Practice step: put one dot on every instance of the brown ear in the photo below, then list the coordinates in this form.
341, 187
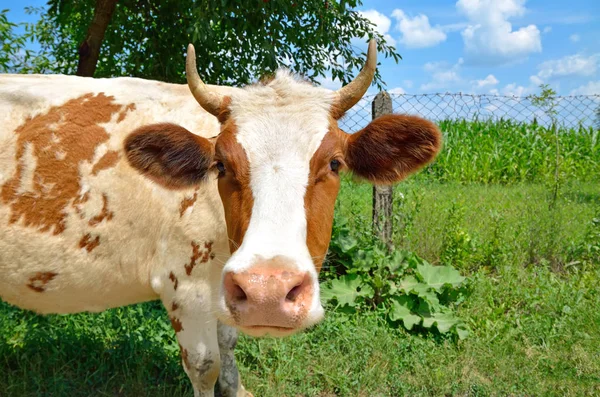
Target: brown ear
391, 147
169, 155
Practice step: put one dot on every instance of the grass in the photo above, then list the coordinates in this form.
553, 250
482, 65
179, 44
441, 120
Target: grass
534, 333
485, 207
515, 219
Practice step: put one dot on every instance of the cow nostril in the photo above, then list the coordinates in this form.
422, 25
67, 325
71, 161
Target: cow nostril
299, 289
294, 292
238, 294
235, 292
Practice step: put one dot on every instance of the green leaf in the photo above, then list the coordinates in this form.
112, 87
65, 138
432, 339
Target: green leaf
443, 321
346, 289
437, 277
411, 285
400, 310
408, 283
462, 331
397, 261
346, 242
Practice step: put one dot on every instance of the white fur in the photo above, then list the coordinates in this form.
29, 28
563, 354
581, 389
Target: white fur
280, 126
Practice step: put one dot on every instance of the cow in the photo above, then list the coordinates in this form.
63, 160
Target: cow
119, 191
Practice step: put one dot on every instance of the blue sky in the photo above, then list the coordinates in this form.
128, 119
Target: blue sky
491, 46
478, 46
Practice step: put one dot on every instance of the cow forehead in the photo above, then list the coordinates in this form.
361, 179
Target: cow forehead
283, 121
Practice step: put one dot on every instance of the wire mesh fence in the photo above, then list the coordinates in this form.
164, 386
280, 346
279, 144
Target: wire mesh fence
571, 111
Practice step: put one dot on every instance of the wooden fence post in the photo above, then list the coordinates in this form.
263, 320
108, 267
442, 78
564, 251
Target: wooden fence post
382, 195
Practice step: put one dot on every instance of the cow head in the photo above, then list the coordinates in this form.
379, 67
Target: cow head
277, 159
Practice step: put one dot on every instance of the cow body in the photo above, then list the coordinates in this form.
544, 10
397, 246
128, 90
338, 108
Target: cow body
81, 230
119, 191
71, 202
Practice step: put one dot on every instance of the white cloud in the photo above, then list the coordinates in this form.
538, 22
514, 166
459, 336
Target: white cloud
514, 89
490, 80
397, 91
591, 88
570, 65
443, 75
416, 31
547, 29
490, 38
382, 24
574, 38
536, 80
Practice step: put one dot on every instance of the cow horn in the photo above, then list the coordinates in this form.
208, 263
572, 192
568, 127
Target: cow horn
351, 93
209, 100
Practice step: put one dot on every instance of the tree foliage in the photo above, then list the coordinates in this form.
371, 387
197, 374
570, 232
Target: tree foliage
236, 41
15, 56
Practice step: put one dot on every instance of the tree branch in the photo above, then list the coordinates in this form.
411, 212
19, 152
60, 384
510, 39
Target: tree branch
89, 49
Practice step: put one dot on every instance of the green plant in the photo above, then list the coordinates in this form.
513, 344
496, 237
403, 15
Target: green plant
458, 247
546, 100
588, 250
403, 287
492, 251
404, 213
508, 152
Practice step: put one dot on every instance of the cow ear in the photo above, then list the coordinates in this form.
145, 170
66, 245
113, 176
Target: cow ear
391, 147
169, 155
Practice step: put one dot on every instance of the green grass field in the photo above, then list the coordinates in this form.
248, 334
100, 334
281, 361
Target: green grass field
533, 268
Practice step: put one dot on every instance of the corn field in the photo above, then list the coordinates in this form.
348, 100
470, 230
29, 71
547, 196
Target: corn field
495, 139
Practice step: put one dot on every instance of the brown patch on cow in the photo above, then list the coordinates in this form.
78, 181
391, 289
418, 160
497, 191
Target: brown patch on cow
88, 242
174, 306
104, 214
207, 252
185, 357
79, 201
75, 133
234, 185
321, 193
176, 324
195, 256
174, 280
187, 203
391, 147
38, 281
123, 112
199, 255
224, 111
109, 160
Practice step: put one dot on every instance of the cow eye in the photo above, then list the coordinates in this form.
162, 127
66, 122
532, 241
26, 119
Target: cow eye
334, 165
221, 168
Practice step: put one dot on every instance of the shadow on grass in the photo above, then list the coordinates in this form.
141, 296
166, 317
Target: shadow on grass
122, 352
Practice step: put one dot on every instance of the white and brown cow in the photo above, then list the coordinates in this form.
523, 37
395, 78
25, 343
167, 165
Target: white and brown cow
117, 191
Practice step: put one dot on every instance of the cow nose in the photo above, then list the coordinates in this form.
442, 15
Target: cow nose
267, 296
